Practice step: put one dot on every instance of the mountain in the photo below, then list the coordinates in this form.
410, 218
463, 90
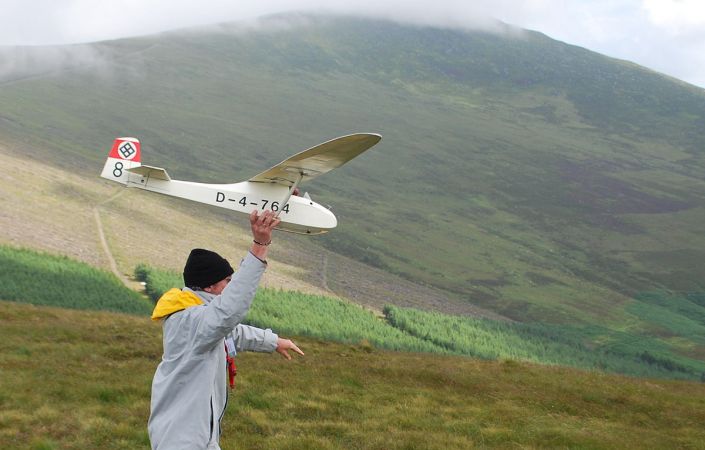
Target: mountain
536, 179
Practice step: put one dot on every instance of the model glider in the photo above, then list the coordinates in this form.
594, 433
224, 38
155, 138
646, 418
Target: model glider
271, 189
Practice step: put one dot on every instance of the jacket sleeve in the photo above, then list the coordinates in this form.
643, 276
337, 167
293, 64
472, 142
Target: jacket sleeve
253, 339
227, 310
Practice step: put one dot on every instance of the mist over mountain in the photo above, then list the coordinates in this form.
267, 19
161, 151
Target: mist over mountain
534, 178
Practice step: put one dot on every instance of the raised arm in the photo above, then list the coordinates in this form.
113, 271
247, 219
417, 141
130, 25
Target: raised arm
230, 307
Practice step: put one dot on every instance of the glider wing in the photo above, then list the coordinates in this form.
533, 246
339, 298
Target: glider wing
317, 160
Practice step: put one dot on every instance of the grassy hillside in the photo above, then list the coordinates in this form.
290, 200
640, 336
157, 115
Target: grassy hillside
592, 347
533, 178
45, 279
88, 387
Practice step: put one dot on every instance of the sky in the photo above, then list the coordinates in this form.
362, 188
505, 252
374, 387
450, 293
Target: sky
664, 35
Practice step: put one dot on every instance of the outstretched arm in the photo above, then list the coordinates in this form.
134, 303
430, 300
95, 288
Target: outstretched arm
253, 339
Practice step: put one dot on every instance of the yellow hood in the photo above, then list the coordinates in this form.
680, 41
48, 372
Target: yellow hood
174, 300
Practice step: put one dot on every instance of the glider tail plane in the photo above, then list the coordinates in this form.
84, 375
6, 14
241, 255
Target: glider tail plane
124, 155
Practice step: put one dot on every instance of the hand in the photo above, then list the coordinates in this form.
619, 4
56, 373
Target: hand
262, 226
283, 345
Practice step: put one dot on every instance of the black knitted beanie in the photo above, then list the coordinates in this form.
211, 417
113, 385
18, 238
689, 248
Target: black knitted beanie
205, 268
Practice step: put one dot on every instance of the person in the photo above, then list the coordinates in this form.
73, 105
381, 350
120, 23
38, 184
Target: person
201, 329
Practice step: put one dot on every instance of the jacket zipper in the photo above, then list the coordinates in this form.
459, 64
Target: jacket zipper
227, 396
210, 438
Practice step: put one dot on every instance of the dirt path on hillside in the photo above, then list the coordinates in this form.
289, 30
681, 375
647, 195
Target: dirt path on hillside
106, 248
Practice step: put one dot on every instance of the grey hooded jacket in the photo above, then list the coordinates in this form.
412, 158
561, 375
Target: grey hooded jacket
189, 389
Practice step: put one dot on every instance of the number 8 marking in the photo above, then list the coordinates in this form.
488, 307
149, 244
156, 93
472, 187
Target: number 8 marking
117, 171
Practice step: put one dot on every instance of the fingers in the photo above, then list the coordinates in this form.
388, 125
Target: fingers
283, 347
266, 219
296, 349
269, 219
262, 225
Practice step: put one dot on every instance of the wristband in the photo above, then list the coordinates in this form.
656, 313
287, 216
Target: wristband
259, 243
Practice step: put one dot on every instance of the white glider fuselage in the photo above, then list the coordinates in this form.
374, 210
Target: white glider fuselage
266, 191
298, 215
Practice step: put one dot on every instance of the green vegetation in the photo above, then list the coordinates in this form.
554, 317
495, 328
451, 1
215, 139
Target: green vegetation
90, 388
676, 315
330, 319
43, 279
157, 282
295, 313
589, 347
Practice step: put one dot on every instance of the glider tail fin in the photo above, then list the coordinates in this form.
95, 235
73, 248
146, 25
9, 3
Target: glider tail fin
125, 154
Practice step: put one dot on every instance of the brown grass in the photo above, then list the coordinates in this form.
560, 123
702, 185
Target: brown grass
82, 379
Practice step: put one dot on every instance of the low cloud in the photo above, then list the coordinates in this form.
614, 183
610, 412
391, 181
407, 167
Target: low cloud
23, 62
666, 35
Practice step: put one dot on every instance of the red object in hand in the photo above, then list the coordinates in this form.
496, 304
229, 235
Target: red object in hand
232, 371
232, 368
